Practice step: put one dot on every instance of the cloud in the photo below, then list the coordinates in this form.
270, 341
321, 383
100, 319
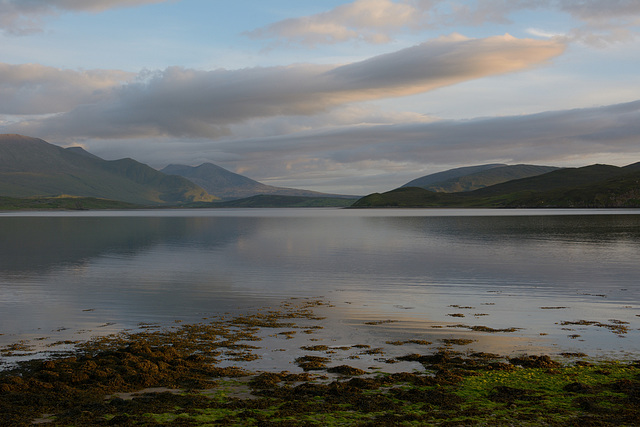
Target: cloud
35, 89
556, 137
347, 115
605, 23
598, 11
189, 103
542, 33
83, 5
376, 21
369, 158
22, 17
367, 20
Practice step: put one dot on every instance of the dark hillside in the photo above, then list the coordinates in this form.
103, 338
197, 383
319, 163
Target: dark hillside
596, 186
475, 177
406, 197
449, 175
561, 178
32, 167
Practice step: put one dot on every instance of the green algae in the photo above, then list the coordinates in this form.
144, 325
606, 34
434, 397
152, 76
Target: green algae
451, 388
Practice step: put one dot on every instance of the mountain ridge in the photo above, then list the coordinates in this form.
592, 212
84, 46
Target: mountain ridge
450, 174
590, 186
33, 167
472, 178
231, 186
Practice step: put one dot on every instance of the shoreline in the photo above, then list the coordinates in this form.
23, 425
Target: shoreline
203, 374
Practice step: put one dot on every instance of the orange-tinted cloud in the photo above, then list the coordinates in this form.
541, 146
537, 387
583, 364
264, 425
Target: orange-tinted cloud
377, 21
190, 103
368, 20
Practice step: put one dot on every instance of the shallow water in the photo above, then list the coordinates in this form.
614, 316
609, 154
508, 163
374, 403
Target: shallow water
65, 275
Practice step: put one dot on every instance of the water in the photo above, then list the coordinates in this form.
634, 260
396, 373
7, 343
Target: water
70, 274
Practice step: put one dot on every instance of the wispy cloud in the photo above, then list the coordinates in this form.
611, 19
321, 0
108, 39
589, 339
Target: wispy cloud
541, 136
191, 103
377, 21
22, 17
369, 20
536, 32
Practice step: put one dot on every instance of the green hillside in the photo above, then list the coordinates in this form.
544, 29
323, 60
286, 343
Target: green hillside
407, 197
619, 192
475, 177
596, 186
32, 167
561, 178
449, 175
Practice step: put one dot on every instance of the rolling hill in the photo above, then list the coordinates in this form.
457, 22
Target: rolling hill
449, 175
475, 177
595, 186
230, 186
73, 178
32, 167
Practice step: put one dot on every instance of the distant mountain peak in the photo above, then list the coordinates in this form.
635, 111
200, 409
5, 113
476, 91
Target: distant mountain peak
82, 152
8, 137
230, 185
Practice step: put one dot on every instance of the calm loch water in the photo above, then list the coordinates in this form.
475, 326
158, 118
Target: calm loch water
85, 273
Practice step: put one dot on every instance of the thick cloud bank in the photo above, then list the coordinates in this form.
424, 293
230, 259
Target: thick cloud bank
35, 89
190, 103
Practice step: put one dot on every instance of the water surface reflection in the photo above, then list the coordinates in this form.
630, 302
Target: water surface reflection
80, 272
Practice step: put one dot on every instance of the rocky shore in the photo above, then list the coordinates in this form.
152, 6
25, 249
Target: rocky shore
202, 374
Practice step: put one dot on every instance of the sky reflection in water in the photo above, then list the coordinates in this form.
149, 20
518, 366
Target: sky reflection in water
112, 271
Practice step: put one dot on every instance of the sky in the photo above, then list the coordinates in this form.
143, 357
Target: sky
349, 97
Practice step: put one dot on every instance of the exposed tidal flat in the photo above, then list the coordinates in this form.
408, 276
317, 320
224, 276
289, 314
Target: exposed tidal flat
321, 316
204, 374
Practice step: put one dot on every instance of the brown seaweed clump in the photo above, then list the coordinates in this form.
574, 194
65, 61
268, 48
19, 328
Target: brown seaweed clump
346, 370
312, 363
181, 358
535, 362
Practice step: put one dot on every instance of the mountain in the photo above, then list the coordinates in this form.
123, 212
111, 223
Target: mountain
81, 151
561, 178
595, 186
230, 186
475, 177
449, 175
33, 167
